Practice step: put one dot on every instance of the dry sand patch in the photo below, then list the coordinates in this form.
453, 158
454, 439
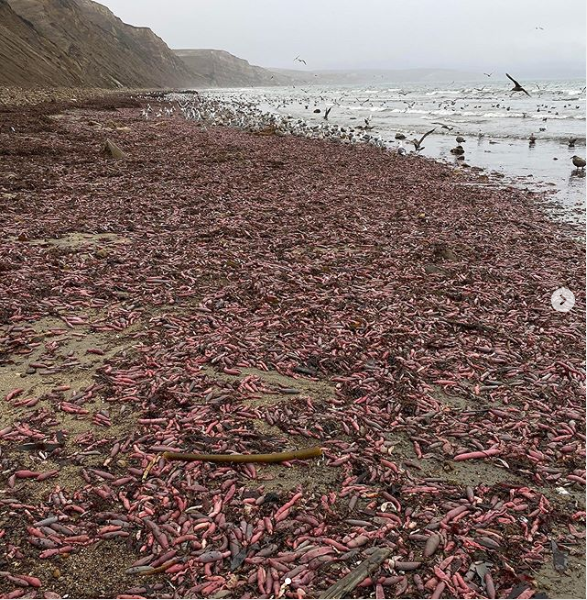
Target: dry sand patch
318, 390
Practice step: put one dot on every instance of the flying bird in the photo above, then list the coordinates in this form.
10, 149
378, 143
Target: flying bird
418, 143
517, 87
449, 127
488, 74
367, 126
327, 112
301, 60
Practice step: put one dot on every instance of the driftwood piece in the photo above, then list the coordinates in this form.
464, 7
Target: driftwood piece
304, 454
112, 150
343, 588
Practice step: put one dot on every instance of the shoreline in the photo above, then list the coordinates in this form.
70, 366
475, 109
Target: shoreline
416, 302
539, 168
553, 199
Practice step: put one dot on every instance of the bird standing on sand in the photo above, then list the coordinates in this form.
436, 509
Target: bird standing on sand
401, 150
579, 162
532, 140
418, 143
517, 87
460, 139
572, 142
459, 150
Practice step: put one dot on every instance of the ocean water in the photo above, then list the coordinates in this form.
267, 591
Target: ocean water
495, 123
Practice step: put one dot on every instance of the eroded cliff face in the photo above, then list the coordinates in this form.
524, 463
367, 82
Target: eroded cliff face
27, 56
141, 50
82, 43
222, 69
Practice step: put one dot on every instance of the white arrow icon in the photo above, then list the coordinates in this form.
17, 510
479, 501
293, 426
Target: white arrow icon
562, 300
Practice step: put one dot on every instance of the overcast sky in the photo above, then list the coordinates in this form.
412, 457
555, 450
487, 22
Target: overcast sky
478, 35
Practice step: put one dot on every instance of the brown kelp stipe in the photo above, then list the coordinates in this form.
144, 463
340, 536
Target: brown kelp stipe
247, 458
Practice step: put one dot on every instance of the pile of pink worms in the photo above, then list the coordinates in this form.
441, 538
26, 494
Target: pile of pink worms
418, 295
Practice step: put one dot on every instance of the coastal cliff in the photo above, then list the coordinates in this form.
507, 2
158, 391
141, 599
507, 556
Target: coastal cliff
82, 43
222, 69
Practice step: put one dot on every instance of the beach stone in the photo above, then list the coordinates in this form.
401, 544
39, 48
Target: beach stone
112, 150
441, 250
430, 268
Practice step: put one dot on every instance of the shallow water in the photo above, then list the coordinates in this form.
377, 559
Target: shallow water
495, 123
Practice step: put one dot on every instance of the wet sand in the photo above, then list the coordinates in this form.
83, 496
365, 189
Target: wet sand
554, 115
169, 301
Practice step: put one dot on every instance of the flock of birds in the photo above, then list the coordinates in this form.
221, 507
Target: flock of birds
148, 112
244, 113
459, 150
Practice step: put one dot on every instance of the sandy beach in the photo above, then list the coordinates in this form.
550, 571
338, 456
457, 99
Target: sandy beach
220, 291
